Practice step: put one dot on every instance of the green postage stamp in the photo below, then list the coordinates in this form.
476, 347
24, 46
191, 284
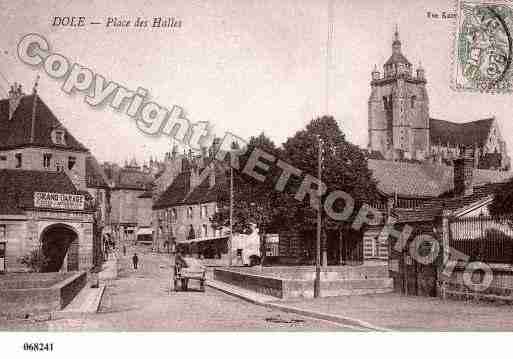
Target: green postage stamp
483, 47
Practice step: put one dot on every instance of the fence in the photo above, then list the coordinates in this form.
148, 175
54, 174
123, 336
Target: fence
483, 238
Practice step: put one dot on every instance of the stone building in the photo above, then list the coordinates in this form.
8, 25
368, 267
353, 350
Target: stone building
127, 184
400, 127
43, 187
182, 212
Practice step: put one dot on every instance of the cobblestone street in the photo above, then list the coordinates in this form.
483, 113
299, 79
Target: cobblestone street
140, 301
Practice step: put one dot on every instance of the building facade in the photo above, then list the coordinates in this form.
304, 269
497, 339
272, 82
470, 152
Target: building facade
45, 205
127, 209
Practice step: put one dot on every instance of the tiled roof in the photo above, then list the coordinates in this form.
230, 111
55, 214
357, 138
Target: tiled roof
146, 194
430, 210
16, 132
179, 192
175, 193
95, 177
17, 188
468, 133
204, 193
421, 180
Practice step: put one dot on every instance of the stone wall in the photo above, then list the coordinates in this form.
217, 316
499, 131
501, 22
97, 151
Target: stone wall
286, 284
37, 293
501, 287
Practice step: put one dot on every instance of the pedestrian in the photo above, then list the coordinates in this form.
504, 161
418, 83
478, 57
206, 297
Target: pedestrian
124, 250
135, 260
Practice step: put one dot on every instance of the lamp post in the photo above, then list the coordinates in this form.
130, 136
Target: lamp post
317, 282
231, 219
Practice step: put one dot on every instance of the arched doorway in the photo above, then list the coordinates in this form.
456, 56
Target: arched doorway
60, 242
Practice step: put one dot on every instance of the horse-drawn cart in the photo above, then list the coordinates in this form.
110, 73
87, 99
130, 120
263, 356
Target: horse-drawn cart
189, 269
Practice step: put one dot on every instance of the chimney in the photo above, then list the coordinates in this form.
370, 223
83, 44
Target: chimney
15, 94
463, 173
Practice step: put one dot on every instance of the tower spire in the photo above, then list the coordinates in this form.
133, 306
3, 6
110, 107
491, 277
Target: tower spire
396, 45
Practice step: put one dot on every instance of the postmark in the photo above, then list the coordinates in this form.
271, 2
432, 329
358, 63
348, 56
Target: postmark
483, 47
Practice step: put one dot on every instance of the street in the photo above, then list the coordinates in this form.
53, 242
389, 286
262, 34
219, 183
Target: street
140, 301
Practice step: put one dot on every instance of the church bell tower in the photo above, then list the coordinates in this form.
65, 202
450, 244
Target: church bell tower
399, 108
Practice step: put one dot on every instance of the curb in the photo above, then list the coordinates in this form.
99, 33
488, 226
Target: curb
92, 308
347, 321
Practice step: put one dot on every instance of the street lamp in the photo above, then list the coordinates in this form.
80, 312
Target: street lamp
231, 219
317, 281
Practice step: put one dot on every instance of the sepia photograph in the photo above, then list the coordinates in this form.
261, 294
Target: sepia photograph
297, 167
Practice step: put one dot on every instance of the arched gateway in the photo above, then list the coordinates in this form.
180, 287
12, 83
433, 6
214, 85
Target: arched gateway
59, 243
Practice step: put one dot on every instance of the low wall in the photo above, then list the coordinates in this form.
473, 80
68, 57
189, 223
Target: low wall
501, 287
36, 293
299, 282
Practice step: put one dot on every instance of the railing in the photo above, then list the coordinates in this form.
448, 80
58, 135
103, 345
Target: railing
483, 238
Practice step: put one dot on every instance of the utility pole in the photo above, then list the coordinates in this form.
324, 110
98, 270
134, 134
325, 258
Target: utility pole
317, 282
231, 219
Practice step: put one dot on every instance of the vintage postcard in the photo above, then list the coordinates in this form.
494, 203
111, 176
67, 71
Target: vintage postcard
334, 166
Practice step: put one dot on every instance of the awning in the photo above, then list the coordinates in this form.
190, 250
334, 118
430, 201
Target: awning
201, 239
143, 231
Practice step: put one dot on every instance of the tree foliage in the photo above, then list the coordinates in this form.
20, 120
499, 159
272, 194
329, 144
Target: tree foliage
253, 199
344, 168
502, 203
35, 260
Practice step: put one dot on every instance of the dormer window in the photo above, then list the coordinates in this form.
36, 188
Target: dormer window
59, 137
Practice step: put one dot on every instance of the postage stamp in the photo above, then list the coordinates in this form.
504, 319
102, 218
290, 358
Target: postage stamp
483, 47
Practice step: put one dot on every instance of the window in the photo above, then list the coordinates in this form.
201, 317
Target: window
204, 211
47, 158
19, 161
71, 162
59, 166
189, 212
59, 137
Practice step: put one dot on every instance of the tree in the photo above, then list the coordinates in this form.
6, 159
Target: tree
344, 168
253, 199
502, 203
35, 260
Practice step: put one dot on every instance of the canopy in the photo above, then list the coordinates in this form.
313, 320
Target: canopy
143, 231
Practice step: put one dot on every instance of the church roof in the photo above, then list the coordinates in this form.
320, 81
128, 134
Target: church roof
467, 134
16, 132
397, 58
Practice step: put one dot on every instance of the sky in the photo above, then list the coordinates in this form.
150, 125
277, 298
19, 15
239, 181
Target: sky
245, 66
